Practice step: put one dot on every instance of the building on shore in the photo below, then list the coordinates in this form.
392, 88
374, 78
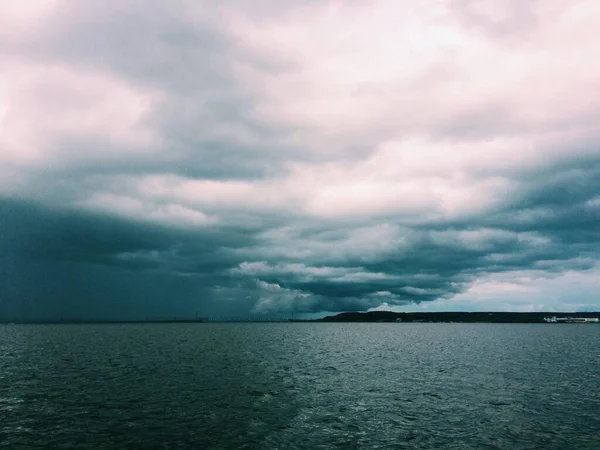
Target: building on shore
555, 319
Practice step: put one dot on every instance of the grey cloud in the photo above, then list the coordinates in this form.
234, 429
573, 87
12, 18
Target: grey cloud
515, 18
204, 106
566, 238
158, 47
63, 260
436, 260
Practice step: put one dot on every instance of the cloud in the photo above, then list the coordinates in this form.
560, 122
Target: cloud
296, 156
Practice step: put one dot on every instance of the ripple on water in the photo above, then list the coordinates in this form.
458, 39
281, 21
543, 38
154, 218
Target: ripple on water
300, 386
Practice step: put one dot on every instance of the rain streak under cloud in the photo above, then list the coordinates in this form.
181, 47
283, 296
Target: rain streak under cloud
166, 159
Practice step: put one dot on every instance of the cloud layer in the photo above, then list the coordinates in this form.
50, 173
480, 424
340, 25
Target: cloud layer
275, 157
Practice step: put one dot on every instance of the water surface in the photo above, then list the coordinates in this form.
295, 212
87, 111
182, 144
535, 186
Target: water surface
300, 385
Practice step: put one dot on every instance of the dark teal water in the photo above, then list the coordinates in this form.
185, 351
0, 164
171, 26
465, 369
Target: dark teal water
300, 385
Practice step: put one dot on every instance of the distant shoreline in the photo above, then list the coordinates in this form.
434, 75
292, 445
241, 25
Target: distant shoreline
369, 317
454, 317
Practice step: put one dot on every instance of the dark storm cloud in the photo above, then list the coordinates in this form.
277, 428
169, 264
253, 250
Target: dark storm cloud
562, 205
35, 232
31, 230
552, 226
64, 263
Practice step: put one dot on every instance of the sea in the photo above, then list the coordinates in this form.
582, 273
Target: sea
300, 386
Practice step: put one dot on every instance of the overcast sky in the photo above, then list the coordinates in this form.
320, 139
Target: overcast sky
174, 158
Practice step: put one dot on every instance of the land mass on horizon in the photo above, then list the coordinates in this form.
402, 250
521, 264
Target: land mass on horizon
448, 317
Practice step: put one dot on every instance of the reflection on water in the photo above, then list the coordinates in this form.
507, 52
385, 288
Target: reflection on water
300, 385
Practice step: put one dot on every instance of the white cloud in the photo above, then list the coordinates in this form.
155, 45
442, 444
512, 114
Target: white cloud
56, 115
166, 214
527, 291
275, 299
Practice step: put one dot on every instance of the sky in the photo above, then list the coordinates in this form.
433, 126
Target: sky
284, 157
